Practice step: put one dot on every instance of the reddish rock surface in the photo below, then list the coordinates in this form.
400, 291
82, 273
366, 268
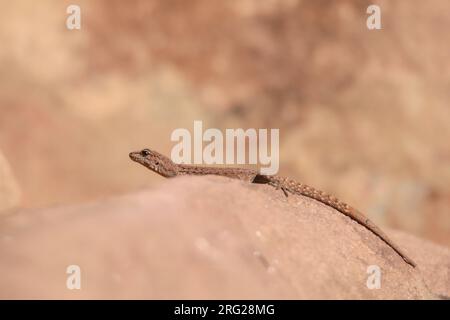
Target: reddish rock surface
9, 189
209, 237
363, 114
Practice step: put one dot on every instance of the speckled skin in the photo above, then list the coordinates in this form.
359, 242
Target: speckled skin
165, 167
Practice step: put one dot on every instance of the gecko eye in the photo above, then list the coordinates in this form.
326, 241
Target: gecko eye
145, 152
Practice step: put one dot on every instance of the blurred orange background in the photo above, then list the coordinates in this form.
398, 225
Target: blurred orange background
363, 114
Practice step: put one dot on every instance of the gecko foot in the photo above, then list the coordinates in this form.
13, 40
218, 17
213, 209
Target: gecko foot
278, 187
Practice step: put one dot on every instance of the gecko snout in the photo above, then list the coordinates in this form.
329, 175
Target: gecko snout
135, 155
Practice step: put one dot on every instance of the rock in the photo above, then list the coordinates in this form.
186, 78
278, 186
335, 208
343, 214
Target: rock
209, 238
9, 189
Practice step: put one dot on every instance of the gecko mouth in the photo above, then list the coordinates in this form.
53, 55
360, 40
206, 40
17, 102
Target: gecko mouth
135, 156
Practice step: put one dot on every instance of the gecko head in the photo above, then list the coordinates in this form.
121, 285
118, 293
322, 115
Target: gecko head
155, 162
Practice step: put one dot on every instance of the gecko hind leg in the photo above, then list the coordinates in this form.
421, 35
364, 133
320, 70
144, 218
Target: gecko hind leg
278, 187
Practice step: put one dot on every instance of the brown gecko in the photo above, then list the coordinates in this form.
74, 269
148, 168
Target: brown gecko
167, 168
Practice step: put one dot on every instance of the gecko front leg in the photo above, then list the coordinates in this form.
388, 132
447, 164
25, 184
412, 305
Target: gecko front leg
271, 181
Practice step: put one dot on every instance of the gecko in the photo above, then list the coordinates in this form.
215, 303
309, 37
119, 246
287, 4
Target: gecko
165, 167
